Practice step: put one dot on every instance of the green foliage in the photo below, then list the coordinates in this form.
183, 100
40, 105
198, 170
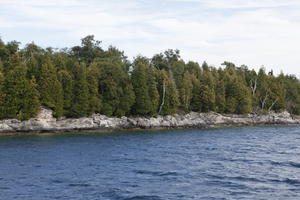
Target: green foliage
93, 75
19, 97
127, 99
168, 101
186, 91
204, 93
67, 82
87, 79
80, 104
220, 96
153, 91
142, 99
88, 51
204, 99
50, 88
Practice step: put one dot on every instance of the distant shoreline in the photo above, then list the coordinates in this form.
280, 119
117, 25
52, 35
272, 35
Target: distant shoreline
45, 123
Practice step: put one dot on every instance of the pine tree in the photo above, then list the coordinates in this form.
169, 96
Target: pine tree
204, 93
93, 75
67, 82
110, 97
186, 91
142, 104
220, 97
20, 97
50, 88
127, 99
196, 102
79, 107
153, 92
243, 97
168, 95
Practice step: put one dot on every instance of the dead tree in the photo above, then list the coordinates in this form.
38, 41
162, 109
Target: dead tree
263, 101
273, 103
253, 86
163, 98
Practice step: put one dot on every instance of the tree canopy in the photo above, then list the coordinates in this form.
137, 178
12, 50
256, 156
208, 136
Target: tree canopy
86, 79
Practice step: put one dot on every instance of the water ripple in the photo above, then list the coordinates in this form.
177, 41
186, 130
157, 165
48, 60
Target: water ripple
229, 163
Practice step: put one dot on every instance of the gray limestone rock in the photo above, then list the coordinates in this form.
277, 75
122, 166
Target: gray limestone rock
46, 122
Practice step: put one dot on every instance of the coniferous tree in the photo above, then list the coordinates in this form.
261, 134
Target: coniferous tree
220, 97
111, 85
186, 91
243, 98
153, 91
204, 93
67, 82
20, 98
142, 104
168, 95
127, 99
79, 107
50, 88
93, 75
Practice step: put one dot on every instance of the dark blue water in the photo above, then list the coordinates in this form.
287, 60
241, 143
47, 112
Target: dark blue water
229, 163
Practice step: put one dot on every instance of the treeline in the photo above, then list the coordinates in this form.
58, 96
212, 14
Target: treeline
87, 79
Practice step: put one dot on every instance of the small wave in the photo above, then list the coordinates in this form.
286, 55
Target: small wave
295, 182
297, 165
143, 197
79, 185
236, 178
292, 164
156, 173
292, 181
56, 181
113, 193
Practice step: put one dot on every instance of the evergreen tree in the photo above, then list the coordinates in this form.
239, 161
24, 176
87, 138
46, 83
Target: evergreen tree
168, 95
19, 96
220, 97
86, 79
50, 88
127, 99
67, 82
80, 104
204, 94
186, 91
243, 98
109, 93
93, 75
142, 104
194, 68
153, 91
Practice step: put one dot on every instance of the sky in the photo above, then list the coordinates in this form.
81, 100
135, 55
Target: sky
252, 32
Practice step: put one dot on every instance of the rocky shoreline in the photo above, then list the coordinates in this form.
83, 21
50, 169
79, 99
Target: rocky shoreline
45, 122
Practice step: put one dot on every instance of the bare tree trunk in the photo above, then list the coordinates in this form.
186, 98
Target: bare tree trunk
274, 102
163, 98
253, 86
263, 101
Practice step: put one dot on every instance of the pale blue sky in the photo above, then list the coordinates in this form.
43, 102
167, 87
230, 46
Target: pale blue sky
251, 32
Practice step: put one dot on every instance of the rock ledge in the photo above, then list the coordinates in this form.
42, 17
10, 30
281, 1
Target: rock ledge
45, 122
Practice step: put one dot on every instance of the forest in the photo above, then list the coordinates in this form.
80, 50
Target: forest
83, 80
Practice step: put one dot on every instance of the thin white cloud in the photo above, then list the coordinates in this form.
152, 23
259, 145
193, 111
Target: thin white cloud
255, 33
245, 3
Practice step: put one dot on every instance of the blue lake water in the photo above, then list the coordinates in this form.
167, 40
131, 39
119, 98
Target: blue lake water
225, 163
